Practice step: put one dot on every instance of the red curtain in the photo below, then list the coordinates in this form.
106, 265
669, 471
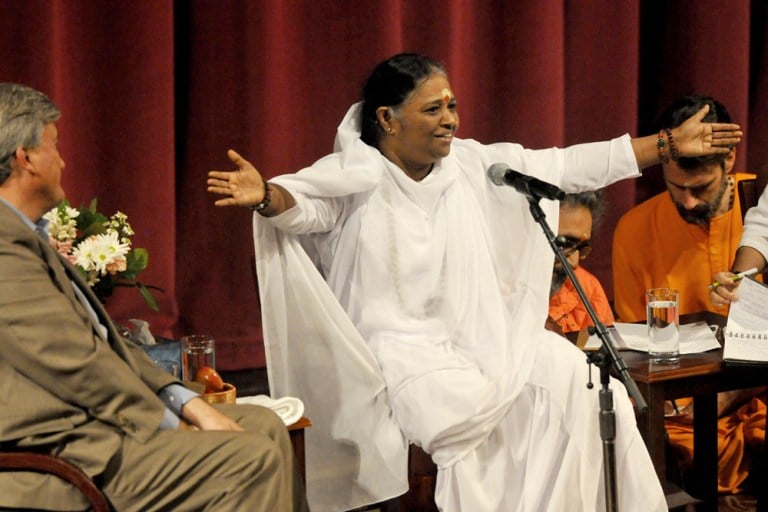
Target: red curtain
154, 93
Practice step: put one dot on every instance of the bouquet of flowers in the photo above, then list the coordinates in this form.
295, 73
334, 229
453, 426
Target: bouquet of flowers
99, 248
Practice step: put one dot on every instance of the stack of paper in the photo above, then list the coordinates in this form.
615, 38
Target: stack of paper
694, 338
746, 333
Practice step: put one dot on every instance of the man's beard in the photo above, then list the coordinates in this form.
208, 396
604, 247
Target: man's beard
558, 279
701, 214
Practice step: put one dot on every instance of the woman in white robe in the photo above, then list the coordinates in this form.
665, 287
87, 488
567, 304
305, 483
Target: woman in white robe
425, 323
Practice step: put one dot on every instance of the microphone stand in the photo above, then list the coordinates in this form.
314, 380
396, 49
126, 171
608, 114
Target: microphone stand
604, 358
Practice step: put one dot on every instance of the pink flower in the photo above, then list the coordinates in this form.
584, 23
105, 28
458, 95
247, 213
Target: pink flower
118, 265
63, 248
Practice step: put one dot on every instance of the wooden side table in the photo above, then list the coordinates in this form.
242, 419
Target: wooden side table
296, 431
700, 376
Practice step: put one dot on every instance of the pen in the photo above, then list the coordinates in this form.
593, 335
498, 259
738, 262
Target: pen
750, 272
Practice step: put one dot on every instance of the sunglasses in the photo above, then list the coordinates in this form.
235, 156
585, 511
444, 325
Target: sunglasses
570, 245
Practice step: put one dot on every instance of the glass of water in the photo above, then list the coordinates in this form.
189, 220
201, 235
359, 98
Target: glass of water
663, 325
197, 350
171, 367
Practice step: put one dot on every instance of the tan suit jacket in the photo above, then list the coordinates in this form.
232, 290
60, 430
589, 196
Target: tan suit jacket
64, 389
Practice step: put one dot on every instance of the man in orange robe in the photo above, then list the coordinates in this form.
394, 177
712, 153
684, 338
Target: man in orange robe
680, 239
567, 313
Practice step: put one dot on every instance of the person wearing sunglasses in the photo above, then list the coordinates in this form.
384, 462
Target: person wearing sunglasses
567, 314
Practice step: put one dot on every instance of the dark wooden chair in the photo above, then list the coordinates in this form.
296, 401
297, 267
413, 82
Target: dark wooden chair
422, 478
44, 463
748, 194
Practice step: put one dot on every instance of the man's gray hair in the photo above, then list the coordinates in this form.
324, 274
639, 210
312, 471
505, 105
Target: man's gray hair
23, 114
591, 200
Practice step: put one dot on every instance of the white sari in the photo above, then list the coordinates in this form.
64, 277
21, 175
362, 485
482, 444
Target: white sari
426, 325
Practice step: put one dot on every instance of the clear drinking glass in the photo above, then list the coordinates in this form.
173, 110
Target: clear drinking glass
663, 325
171, 367
197, 350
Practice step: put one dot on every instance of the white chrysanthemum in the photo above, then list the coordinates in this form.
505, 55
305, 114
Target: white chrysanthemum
83, 253
62, 224
99, 251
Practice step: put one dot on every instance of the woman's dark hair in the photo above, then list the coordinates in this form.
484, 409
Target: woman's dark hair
685, 107
389, 84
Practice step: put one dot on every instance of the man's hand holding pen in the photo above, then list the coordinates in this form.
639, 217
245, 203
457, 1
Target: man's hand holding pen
723, 287
732, 277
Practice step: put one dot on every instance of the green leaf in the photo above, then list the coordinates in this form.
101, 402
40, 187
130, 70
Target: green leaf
141, 256
135, 261
90, 223
148, 297
82, 272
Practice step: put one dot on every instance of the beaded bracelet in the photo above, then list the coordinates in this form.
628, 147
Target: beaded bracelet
672, 147
662, 148
267, 198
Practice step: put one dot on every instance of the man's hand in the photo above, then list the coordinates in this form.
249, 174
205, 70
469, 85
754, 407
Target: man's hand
725, 293
183, 425
200, 414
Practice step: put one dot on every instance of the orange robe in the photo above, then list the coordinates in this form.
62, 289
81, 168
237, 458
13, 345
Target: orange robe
653, 247
566, 309
737, 431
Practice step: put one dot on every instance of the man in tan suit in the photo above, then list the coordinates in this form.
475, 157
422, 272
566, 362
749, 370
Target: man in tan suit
71, 386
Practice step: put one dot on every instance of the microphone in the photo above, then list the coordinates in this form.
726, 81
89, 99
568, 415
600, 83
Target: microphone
501, 174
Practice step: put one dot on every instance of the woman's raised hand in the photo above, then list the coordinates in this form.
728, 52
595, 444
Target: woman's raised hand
694, 138
241, 187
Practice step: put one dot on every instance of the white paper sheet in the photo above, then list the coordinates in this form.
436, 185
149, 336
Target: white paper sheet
694, 338
746, 333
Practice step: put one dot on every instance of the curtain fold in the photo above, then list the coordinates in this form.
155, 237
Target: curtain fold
154, 92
